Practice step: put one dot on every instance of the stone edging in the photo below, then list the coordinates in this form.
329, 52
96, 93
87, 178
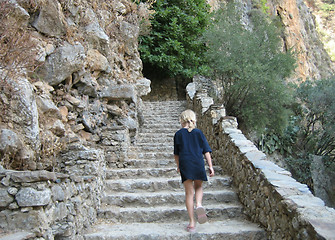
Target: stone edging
271, 197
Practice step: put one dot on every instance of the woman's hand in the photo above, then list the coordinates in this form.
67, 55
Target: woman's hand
211, 171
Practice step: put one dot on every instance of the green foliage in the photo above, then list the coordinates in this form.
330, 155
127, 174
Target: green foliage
174, 46
314, 132
248, 61
261, 4
265, 8
300, 168
328, 7
270, 142
318, 136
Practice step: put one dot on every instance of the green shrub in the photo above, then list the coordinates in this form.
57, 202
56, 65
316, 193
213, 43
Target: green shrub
328, 7
174, 46
284, 143
252, 69
315, 133
300, 168
318, 133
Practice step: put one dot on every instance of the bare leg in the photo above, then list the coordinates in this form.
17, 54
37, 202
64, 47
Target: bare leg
199, 193
201, 213
189, 200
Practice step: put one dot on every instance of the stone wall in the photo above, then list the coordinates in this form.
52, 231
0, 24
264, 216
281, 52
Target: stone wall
271, 197
50, 205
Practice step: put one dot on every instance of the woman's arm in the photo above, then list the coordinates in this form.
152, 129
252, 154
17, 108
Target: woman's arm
176, 159
209, 161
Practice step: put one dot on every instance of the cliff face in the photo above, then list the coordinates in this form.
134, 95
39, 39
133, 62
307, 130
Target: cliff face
76, 71
301, 35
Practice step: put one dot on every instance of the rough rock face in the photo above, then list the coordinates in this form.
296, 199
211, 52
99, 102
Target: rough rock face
87, 78
300, 34
67, 117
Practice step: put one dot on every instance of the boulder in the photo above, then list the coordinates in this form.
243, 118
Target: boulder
47, 106
119, 92
32, 176
50, 21
129, 33
9, 142
88, 85
95, 34
23, 114
28, 220
143, 86
61, 64
5, 198
96, 61
29, 197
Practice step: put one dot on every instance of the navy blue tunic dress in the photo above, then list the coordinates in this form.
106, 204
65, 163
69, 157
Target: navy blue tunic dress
190, 146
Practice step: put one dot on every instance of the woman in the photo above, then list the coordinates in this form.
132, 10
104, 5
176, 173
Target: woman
190, 144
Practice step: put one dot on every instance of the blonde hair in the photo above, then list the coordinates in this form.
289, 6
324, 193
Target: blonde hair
188, 116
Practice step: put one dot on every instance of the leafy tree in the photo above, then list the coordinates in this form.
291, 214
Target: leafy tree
174, 46
312, 131
318, 128
246, 58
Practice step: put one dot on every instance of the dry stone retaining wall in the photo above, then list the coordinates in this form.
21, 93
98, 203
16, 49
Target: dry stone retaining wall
49, 205
285, 207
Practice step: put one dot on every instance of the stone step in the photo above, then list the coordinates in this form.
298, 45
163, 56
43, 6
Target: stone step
212, 230
218, 211
155, 137
160, 184
153, 151
166, 197
165, 111
153, 163
147, 172
175, 110
161, 122
155, 134
172, 107
167, 119
144, 147
158, 124
161, 107
141, 173
150, 155
157, 131
153, 140
17, 236
158, 147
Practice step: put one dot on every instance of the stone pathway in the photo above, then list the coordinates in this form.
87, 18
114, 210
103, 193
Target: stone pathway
146, 200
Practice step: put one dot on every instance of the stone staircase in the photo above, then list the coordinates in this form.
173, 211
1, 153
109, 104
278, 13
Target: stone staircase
146, 199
